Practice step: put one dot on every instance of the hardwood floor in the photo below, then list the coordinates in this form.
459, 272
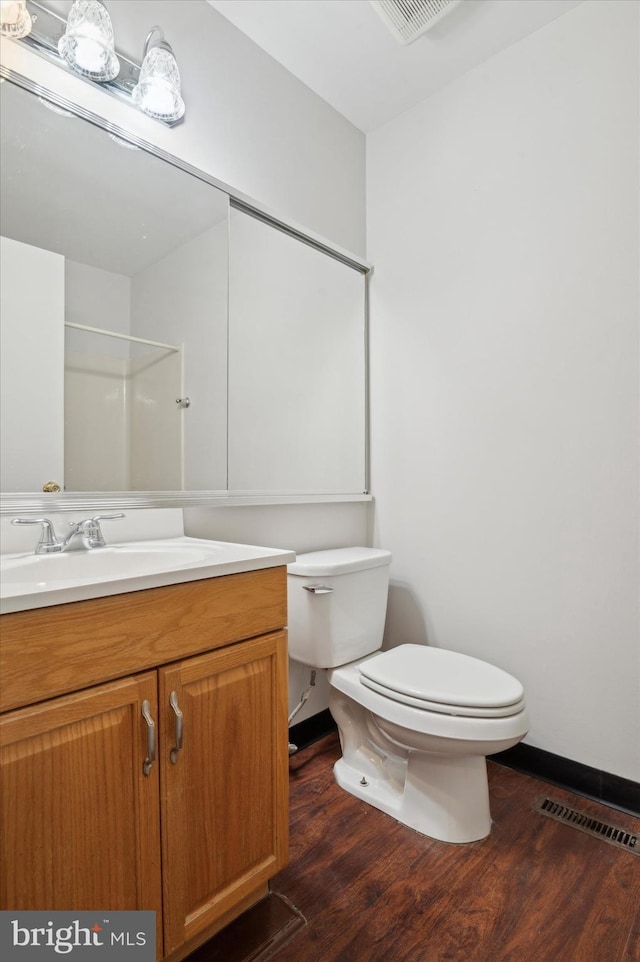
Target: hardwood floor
375, 891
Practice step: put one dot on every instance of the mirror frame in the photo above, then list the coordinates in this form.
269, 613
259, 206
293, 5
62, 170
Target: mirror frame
34, 502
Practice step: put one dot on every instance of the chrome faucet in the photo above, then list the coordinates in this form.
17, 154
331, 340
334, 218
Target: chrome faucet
88, 530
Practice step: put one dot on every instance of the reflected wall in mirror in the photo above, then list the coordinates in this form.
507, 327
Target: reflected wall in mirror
114, 309
297, 356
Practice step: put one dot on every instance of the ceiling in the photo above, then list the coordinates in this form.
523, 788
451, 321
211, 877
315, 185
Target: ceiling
68, 187
342, 50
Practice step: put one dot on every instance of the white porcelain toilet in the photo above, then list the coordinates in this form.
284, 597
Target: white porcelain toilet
416, 723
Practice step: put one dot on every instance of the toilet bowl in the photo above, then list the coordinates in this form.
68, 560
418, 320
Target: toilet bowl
415, 723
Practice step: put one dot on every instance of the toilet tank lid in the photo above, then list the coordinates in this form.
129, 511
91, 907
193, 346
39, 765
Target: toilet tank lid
338, 561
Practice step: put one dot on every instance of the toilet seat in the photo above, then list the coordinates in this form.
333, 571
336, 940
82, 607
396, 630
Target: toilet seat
448, 682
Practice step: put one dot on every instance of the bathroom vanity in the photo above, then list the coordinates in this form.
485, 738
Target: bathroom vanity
144, 748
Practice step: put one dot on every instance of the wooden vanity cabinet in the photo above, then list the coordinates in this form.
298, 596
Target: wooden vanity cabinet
196, 834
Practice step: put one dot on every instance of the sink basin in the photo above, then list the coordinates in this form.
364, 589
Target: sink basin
30, 580
116, 561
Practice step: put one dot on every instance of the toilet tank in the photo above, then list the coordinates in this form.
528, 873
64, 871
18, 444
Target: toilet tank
337, 605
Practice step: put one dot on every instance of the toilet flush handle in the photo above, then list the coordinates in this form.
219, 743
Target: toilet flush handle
318, 589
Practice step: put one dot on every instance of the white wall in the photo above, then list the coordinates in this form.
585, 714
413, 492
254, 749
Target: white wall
503, 225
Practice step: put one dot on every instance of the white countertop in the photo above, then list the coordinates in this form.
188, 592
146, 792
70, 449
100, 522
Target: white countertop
36, 581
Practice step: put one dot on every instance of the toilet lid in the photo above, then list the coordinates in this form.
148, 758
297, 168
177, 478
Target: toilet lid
444, 681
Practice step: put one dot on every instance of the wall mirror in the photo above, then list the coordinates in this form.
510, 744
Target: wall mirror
140, 353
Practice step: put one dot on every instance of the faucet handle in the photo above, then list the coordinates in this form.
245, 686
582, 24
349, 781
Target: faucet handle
48, 541
91, 529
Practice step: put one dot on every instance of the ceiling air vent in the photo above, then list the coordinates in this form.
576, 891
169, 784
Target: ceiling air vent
408, 19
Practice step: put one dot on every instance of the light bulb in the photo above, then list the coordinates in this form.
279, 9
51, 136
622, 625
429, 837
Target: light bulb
89, 55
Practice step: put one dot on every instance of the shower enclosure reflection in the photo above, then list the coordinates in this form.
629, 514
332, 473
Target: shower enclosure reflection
122, 426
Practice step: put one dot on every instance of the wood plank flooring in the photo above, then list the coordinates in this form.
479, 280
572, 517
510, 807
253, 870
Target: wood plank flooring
375, 891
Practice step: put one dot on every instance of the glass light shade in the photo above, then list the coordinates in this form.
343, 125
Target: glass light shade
87, 45
15, 19
157, 92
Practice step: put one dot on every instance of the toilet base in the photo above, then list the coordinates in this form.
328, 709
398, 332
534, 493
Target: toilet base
444, 797
433, 785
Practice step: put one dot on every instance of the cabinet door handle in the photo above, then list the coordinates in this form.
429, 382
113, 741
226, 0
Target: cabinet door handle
173, 701
151, 738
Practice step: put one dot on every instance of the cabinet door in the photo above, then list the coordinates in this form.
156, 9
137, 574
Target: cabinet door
224, 796
80, 820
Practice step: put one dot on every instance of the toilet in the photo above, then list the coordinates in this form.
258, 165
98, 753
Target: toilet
415, 722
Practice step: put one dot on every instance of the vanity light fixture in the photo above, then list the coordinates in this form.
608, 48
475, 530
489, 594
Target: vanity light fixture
157, 93
87, 44
15, 19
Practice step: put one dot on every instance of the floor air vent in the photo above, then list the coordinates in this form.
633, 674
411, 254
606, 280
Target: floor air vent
408, 19
619, 837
